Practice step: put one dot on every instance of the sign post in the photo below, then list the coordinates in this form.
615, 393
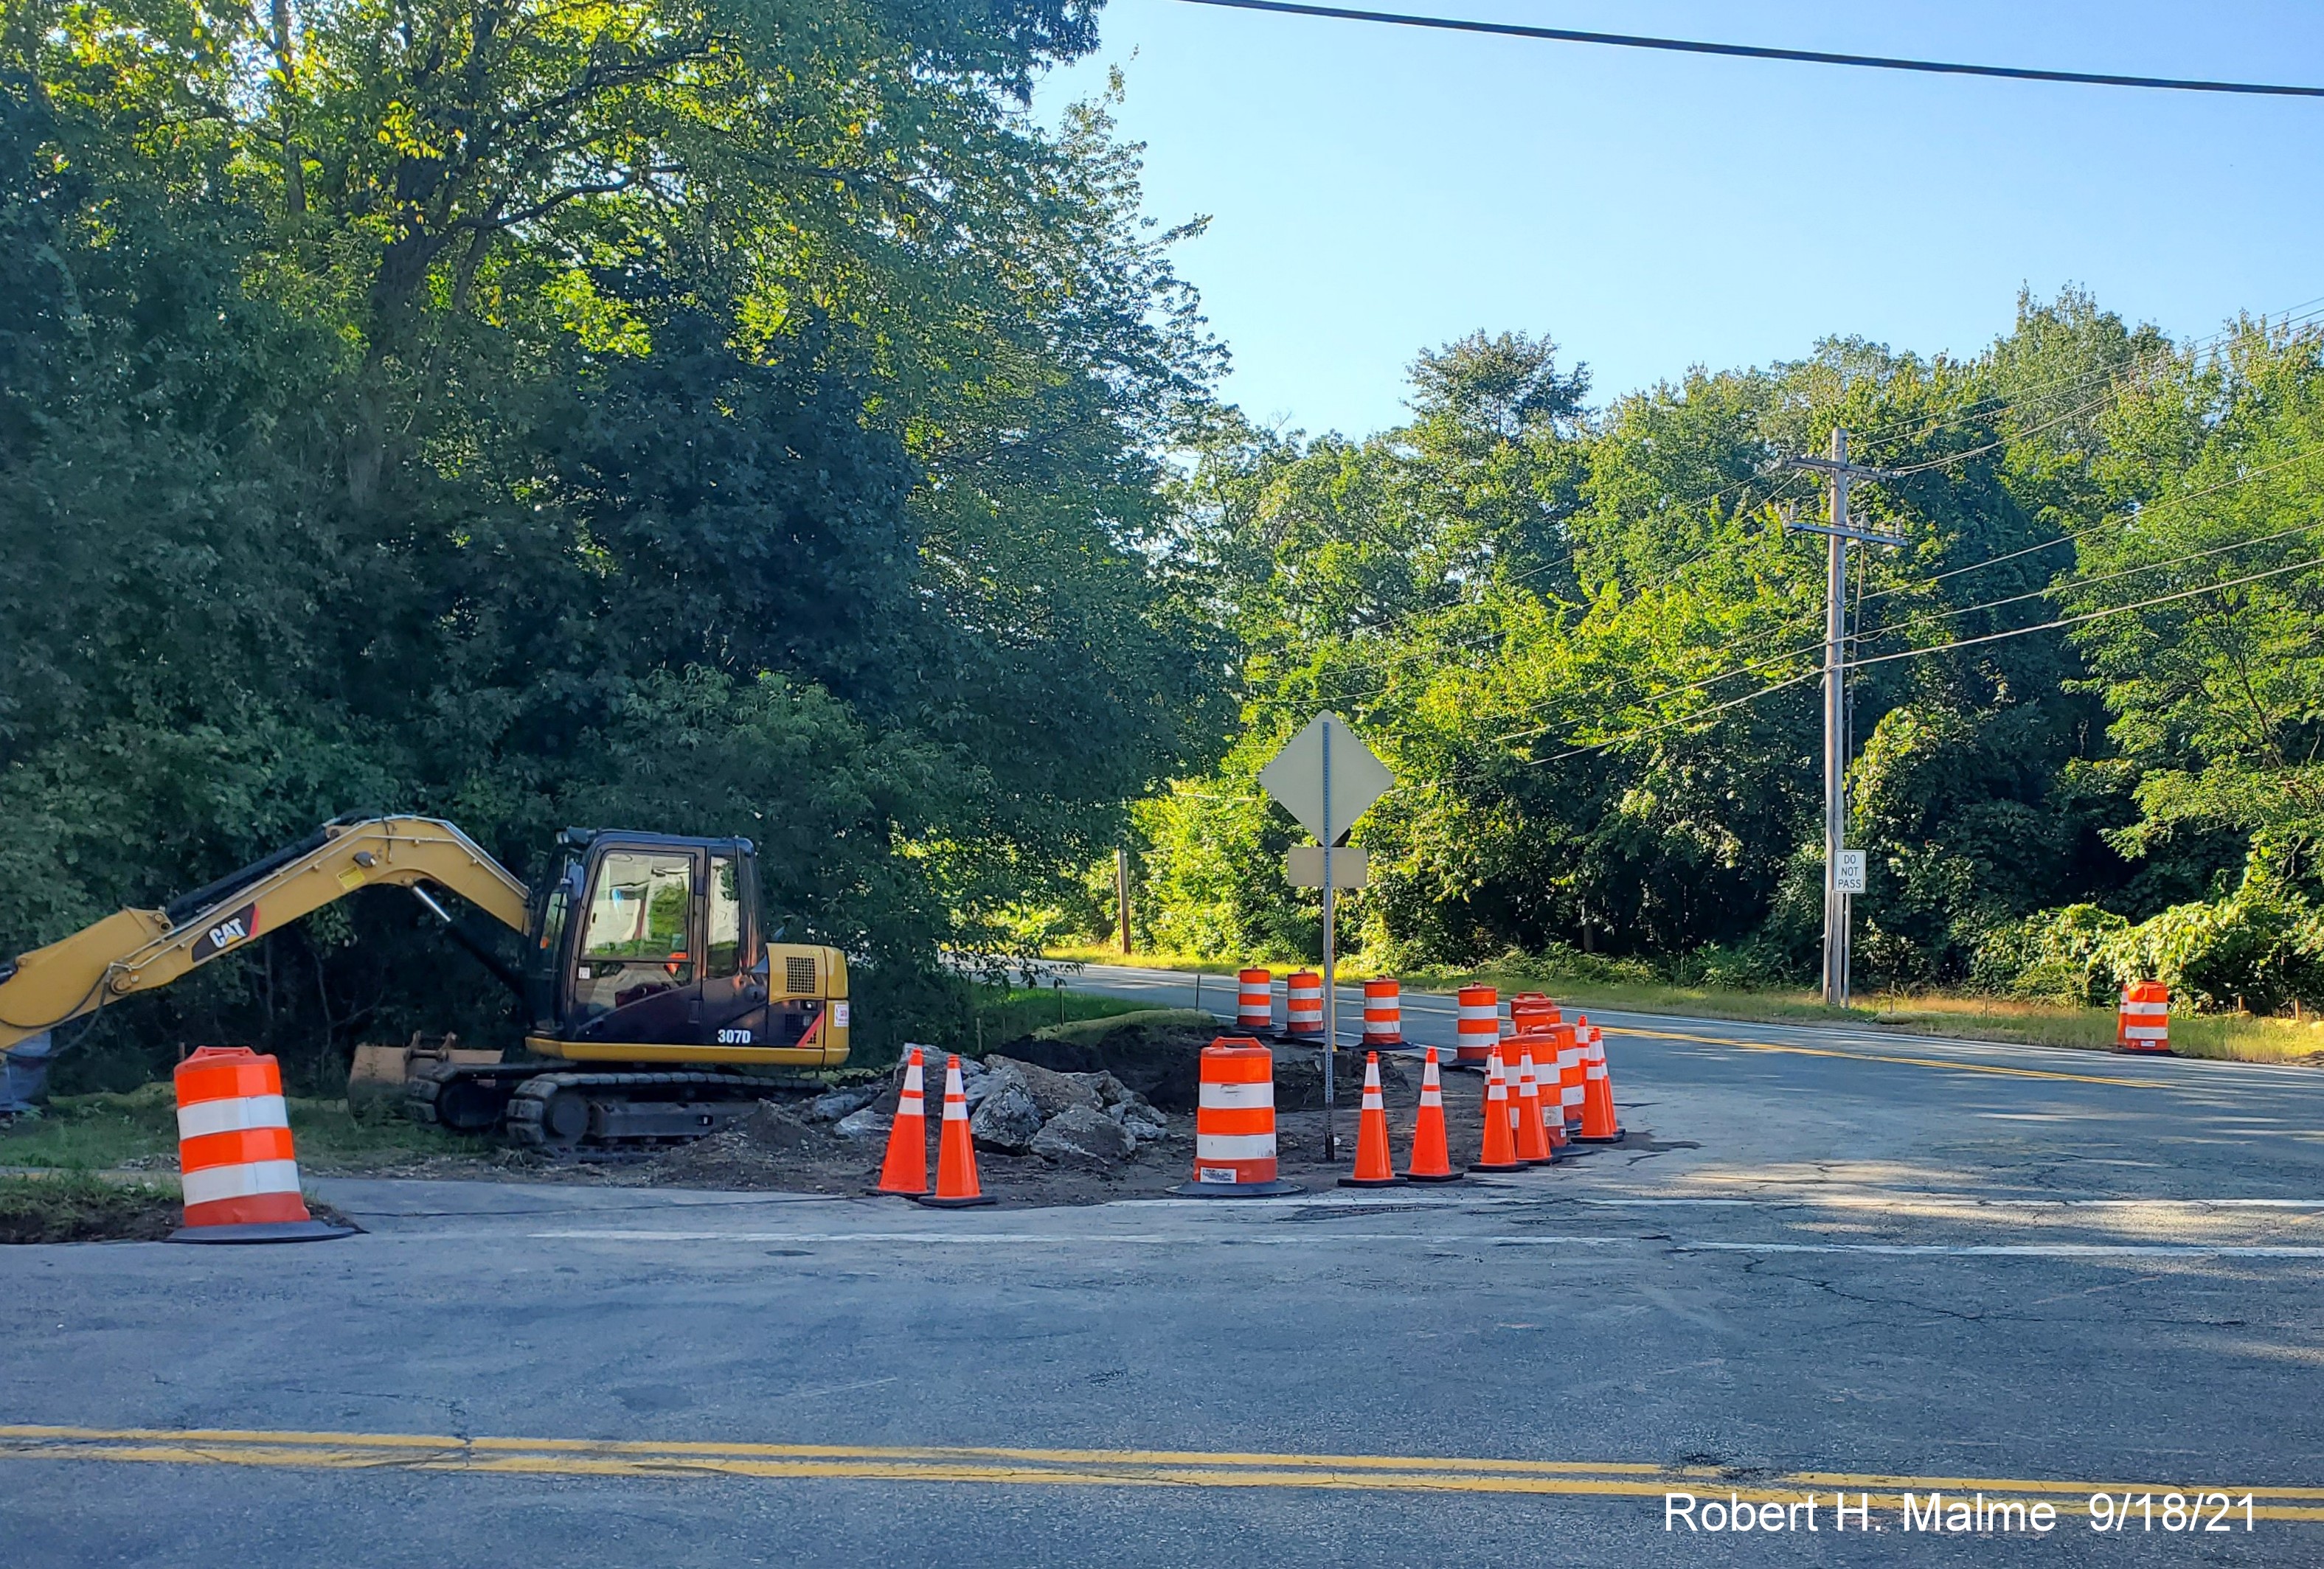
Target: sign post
1326, 778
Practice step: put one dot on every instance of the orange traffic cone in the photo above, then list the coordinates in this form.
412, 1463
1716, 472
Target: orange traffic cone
1372, 1168
956, 1186
1599, 1125
1501, 1152
1431, 1160
906, 1169
1531, 1144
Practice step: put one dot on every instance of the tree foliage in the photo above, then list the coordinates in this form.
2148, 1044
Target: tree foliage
1586, 644
727, 415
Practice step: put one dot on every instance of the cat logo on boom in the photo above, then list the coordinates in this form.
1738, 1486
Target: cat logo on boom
238, 927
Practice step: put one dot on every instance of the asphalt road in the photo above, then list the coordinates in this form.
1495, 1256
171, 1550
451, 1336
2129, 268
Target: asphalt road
1826, 1260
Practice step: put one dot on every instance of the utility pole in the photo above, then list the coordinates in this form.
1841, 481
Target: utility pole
1330, 967
1841, 474
1122, 894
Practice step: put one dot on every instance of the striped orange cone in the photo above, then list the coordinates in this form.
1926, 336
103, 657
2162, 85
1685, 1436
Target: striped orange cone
1599, 1123
904, 1173
235, 1162
1500, 1153
1431, 1160
1531, 1144
956, 1184
1372, 1167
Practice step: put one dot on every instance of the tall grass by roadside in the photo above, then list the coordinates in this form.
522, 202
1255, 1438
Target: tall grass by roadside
138, 1129
1007, 1013
2229, 1037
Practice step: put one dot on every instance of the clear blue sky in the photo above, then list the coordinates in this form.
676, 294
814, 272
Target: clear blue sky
1376, 189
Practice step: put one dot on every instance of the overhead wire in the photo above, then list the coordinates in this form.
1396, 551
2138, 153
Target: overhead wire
2302, 312
1990, 408
2092, 615
1860, 636
1672, 723
2110, 522
2066, 586
1758, 51
1748, 697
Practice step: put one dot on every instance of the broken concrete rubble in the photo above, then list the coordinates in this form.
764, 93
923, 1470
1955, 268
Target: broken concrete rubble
1007, 1116
840, 1103
1082, 1136
1051, 1091
865, 1123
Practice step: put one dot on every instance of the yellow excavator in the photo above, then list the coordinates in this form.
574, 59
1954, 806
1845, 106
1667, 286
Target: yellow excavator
658, 1010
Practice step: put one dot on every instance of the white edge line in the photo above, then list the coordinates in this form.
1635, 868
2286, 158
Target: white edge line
1893, 1250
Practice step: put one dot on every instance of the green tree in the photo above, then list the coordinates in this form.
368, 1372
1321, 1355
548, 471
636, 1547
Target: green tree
516, 412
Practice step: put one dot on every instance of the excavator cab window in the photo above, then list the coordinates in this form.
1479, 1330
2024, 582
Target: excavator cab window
554, 901
637, 939
722, 955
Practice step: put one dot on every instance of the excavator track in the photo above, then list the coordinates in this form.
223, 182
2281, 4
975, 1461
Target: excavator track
611, 1114
465, 1097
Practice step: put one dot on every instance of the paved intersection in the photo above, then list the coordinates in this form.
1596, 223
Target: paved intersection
1831, 1260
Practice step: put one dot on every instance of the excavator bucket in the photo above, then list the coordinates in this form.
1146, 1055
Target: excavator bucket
377, 1076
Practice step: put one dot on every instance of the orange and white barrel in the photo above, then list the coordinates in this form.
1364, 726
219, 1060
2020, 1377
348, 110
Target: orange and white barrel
2143, 1022
1477, 1030
1383, 1012
237, 1169
1255, 1001
1531, 1011
1303, 1006
1572, 1073
1234, 1122
1542, 1041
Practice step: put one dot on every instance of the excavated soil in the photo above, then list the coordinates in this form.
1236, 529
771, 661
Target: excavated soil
777, 1149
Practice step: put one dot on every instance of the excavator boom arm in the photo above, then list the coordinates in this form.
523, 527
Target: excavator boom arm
134, 951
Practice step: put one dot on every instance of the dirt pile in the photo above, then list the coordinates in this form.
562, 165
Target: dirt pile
1299, 1078
1082, 1125
1161, 1062
772, 1148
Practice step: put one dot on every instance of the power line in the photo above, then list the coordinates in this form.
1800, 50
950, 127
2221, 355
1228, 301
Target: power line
1702, 713
1378, 685
1645, 730
2092, 615
2057, 588
1672, 691
1878, 632
1756, 51
2098, 528
1379, 680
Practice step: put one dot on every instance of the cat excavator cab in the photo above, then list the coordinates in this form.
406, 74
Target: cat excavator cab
657, 1009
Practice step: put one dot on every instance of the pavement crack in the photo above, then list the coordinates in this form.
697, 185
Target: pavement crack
1833, 1289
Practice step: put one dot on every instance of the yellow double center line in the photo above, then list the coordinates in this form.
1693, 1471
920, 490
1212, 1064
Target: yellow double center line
1060, 1467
